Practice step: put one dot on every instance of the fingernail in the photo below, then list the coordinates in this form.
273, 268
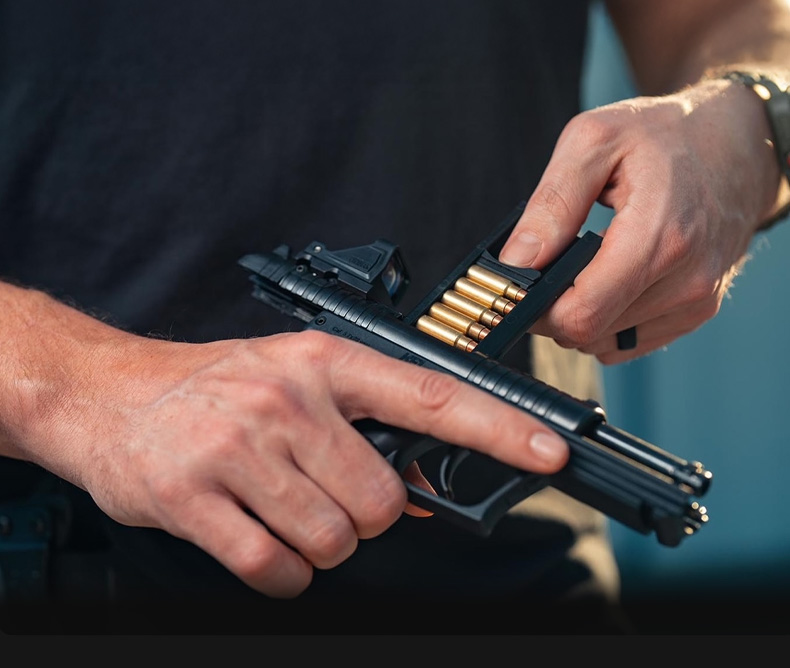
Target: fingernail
521, 249
549, 447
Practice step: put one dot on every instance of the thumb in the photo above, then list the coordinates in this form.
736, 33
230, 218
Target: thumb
558, 207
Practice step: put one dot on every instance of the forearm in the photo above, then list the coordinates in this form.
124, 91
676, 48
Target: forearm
671, 44
49, 356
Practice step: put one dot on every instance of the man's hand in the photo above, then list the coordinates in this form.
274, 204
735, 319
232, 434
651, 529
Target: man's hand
243, 447
690, 177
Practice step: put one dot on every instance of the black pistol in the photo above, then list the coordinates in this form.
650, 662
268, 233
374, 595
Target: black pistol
462, 327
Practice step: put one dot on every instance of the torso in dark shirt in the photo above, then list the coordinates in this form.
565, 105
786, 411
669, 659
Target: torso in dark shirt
148, 145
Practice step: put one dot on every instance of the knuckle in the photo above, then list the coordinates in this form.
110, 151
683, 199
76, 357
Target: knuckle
678, 240
568, 344
330, 541
436, 390
607, 359
592, 128
708, 308
552, 197
254, 557
700, 290
223, 437
581, 326
170, 491
276, 395
383, 504
319, 347
684, 233
323, 351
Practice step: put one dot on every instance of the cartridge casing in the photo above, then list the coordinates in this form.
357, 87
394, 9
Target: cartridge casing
484, 296
459, 321
471, 308
445, 333
496, 283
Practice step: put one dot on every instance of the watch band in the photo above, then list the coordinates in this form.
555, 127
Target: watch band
777, 107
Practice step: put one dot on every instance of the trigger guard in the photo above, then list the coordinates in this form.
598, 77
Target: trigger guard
402, 448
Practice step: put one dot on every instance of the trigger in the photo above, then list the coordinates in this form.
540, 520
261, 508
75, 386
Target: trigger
450, 463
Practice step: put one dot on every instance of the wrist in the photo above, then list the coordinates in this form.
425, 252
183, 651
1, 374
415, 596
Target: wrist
771, 92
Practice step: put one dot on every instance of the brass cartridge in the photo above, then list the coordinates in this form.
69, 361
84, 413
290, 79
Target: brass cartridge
459, 321
439, 330
496, 283
484, 296
471, 308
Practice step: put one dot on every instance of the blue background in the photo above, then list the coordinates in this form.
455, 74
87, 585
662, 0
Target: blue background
718, 395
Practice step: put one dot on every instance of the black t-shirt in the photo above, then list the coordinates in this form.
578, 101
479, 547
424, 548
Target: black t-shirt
148, 145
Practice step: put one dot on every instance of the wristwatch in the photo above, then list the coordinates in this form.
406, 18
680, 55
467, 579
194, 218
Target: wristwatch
777, 108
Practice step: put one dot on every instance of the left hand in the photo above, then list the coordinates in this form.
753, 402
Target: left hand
690, 178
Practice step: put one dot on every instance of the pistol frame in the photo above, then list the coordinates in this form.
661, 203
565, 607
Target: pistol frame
353, 293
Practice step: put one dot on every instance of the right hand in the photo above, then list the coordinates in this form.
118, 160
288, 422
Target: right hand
245, 447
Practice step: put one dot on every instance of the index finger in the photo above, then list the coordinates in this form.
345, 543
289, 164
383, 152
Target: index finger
370, 384
573, 180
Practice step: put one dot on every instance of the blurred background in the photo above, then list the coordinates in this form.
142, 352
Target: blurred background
719, 395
